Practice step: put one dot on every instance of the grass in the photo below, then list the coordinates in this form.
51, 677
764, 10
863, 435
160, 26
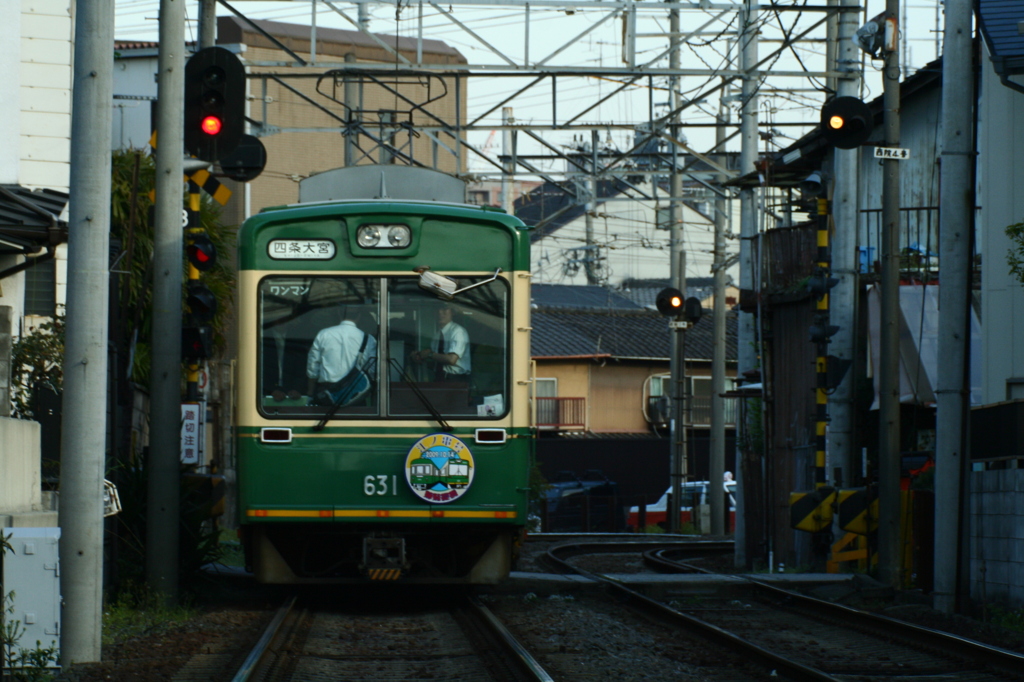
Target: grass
139, 611
1009, 619
231, 549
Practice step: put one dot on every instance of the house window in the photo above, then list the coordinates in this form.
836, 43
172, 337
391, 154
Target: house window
547, 410
41, 288
699, 390
479, 197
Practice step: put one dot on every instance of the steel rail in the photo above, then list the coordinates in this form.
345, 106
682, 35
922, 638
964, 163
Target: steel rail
255, 657
977, 652
527, 664
780, 665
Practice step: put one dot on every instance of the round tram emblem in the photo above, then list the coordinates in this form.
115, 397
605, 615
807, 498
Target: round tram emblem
439, 468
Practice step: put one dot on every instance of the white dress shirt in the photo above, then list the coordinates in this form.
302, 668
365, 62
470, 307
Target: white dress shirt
456, 340
334, 352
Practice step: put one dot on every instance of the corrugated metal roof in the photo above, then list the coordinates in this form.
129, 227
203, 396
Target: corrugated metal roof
27, 216
1000, 23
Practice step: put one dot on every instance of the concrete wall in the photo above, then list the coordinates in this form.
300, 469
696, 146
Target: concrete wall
21, 497
997, 537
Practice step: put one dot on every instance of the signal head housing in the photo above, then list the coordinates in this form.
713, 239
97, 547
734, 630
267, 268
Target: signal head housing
214, 103
846, 122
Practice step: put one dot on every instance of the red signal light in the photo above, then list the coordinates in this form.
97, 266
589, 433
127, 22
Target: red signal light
199, 255
211, 125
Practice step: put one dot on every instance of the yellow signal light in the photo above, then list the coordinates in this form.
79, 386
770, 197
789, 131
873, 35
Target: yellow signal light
836, 122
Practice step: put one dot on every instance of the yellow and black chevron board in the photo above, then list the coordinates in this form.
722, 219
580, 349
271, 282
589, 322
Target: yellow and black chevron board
811, 510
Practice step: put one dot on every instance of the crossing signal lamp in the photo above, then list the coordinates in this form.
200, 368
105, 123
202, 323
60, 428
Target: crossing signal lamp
201, 303
846, 122
214, 103
822, 332
196, 342
202, 254
820, 283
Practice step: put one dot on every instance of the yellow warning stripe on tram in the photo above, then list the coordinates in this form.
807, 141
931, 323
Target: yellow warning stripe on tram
379, 513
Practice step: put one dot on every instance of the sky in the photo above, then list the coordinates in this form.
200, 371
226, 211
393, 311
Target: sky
783, 100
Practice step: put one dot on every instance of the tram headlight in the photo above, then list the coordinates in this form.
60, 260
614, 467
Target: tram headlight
384, 236
399, 236
368, 236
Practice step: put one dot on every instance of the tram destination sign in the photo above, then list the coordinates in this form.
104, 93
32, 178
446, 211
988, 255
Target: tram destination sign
898, 153
301, 249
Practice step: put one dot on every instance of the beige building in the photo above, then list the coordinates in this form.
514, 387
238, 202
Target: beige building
305, 116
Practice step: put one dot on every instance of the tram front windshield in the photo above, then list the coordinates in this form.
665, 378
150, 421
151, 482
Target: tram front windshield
416, 354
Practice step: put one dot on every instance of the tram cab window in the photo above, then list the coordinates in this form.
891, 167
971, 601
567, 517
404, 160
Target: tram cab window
455, 352
404, 326
292, 312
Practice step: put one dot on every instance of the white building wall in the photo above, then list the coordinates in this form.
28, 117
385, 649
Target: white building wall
1001, 198
134, 91
630, 244
45, 73
36, 47
10, 91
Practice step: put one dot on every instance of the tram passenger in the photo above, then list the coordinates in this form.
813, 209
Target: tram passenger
449, 349
342, 361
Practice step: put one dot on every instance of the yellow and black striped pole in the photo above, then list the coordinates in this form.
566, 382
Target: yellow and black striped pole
821, 363
812, 510
194, 228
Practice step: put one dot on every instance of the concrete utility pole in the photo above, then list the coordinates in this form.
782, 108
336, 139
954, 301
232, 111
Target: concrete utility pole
956, 213
677, 361
165, 398
746, 333
207, 23
719, 509
353, 103
507, 177
889, 363
83, 444
843, 297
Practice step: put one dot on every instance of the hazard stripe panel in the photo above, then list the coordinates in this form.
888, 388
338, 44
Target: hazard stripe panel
811, 511
384, 573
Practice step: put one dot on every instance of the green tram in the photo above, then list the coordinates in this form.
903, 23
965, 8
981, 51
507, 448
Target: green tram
422, 473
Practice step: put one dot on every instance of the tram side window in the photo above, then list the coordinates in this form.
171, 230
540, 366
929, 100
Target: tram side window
301, 375
455, 352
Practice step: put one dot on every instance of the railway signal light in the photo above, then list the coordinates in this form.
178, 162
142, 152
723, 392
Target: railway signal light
846, 122
202, 254
196, 342
214, 103
669, 301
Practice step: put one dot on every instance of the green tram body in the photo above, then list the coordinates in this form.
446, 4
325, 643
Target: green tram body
346, 503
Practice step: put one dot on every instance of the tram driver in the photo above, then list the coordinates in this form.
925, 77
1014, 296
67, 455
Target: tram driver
449, 348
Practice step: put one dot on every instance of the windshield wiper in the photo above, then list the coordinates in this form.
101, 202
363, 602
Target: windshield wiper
434, 412
330, 413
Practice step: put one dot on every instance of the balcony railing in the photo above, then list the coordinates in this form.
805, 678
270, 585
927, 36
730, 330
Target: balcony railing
568, 414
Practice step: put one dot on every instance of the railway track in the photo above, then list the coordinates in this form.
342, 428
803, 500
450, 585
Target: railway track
802, 638
458, 639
